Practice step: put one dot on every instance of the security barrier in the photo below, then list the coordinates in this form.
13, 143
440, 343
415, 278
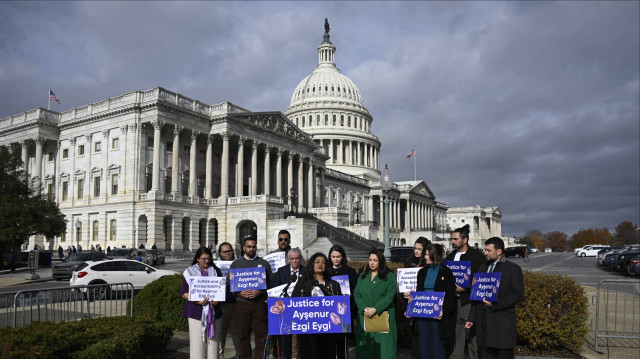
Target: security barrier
21, 308
617, 318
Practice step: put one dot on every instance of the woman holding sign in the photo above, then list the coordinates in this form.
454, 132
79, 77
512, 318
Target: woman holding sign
203, 316
316, 282
436, 335
339, 267
374, 295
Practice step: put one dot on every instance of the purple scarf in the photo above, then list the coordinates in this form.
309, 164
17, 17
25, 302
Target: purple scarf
210, 328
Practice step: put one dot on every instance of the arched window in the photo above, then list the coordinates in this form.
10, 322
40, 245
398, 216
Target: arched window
349, 121
326, 120
303, 121
341, 117
334, 120
318, 120
112, 230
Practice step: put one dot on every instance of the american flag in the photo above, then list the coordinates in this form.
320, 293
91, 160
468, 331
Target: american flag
52, 96
413, 152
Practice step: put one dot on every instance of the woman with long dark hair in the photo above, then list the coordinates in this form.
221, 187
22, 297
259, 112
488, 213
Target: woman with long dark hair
374, 294
203, 316
417, 259
436, 335
338, 267
316, 282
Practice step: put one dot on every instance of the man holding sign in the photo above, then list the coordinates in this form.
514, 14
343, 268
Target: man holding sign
463, 253
496, 321
251, 306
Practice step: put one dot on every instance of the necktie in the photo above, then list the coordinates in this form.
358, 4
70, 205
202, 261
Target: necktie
491, 267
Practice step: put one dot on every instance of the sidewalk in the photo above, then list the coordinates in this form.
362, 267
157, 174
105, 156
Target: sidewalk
22, 276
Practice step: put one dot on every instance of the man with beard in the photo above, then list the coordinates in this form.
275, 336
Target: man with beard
251, 304
496, 321
229, 323
462, 252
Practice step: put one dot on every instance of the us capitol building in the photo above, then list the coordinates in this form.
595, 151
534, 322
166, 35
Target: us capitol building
156, 167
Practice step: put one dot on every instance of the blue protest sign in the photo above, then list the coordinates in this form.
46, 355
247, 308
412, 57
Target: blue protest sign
247, 278
461, 272
485, 285
309, 315
343, 280
425, 304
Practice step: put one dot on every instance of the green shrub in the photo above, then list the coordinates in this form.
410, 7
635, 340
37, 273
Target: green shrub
109, 337
161, 300
553, 314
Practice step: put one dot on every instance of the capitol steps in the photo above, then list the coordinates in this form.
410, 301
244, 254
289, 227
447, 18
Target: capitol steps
356, 247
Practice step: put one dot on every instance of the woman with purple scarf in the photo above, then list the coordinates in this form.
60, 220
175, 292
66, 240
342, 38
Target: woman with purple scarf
204, 316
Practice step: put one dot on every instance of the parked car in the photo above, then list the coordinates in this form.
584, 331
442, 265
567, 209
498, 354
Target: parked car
534, 250
517, 252
116, 271
633, 261
590, 251
400, 254
603, 253
624, 258
122, 253
157, 256
636, 269
548, 250
64, 269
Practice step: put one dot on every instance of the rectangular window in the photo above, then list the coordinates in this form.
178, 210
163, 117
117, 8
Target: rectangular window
112, 230
50, 156
81, 150
50, 191
97, 147
114, 184
94, 234
150, 141
96, 186
65, 153
203, 154
65, 190
115, 143
169, 146
80, 188
185, 150
63, 237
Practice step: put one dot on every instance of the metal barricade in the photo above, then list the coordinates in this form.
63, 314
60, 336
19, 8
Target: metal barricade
617, 312
65, 304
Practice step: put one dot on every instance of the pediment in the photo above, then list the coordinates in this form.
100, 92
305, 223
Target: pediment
423, 190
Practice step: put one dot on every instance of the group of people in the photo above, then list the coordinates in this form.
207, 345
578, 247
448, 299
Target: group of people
486, 329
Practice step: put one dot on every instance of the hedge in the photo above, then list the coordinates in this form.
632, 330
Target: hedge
160, 300
107, 337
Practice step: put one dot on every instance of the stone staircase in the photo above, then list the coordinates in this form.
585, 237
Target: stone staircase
356, 247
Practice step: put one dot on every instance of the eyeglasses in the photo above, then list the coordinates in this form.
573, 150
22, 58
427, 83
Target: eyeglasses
205, 258
283, 239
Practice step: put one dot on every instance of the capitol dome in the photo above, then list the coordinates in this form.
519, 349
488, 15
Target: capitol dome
328, 106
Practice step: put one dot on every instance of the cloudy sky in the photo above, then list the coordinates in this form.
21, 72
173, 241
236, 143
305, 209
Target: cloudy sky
529, 106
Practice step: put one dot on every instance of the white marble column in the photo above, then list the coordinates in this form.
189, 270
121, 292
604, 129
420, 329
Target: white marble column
359, 153
322, 186
37, 172
193, 155
208, 175
310, 185
25, 155
254, 168
155, 179
224, 172
267, 170
240, 174
279, 173
331, 154
175, 161
300, 184
290, 173
340, 152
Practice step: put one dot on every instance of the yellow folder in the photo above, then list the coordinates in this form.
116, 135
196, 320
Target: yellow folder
377, 324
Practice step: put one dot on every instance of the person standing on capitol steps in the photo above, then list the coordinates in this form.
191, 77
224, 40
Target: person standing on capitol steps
316, 282
251, 304
463, 252
228, 323
375, 294
495, 322
436, 335
413, 261
284, 275
338, 258
204, 316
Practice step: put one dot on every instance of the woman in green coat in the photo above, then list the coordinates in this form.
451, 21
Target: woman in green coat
374, 294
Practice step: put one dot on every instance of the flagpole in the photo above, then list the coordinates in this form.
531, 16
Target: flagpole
414, 165
49, 103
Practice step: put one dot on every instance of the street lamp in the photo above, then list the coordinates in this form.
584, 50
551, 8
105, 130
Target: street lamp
356, 210
78, 226
386, 183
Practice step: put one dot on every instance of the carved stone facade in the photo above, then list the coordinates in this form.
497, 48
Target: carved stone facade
484, 222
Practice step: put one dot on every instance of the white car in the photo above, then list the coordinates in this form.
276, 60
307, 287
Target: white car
590, 251
117, 271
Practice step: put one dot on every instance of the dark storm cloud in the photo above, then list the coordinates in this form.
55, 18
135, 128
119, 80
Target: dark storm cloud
529, 106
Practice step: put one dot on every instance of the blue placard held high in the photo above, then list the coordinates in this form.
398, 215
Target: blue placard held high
461, 272
247, 278
309, 315
485, 286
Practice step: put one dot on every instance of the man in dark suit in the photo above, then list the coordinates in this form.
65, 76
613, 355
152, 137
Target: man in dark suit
496, 321
283, 276
463, 252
